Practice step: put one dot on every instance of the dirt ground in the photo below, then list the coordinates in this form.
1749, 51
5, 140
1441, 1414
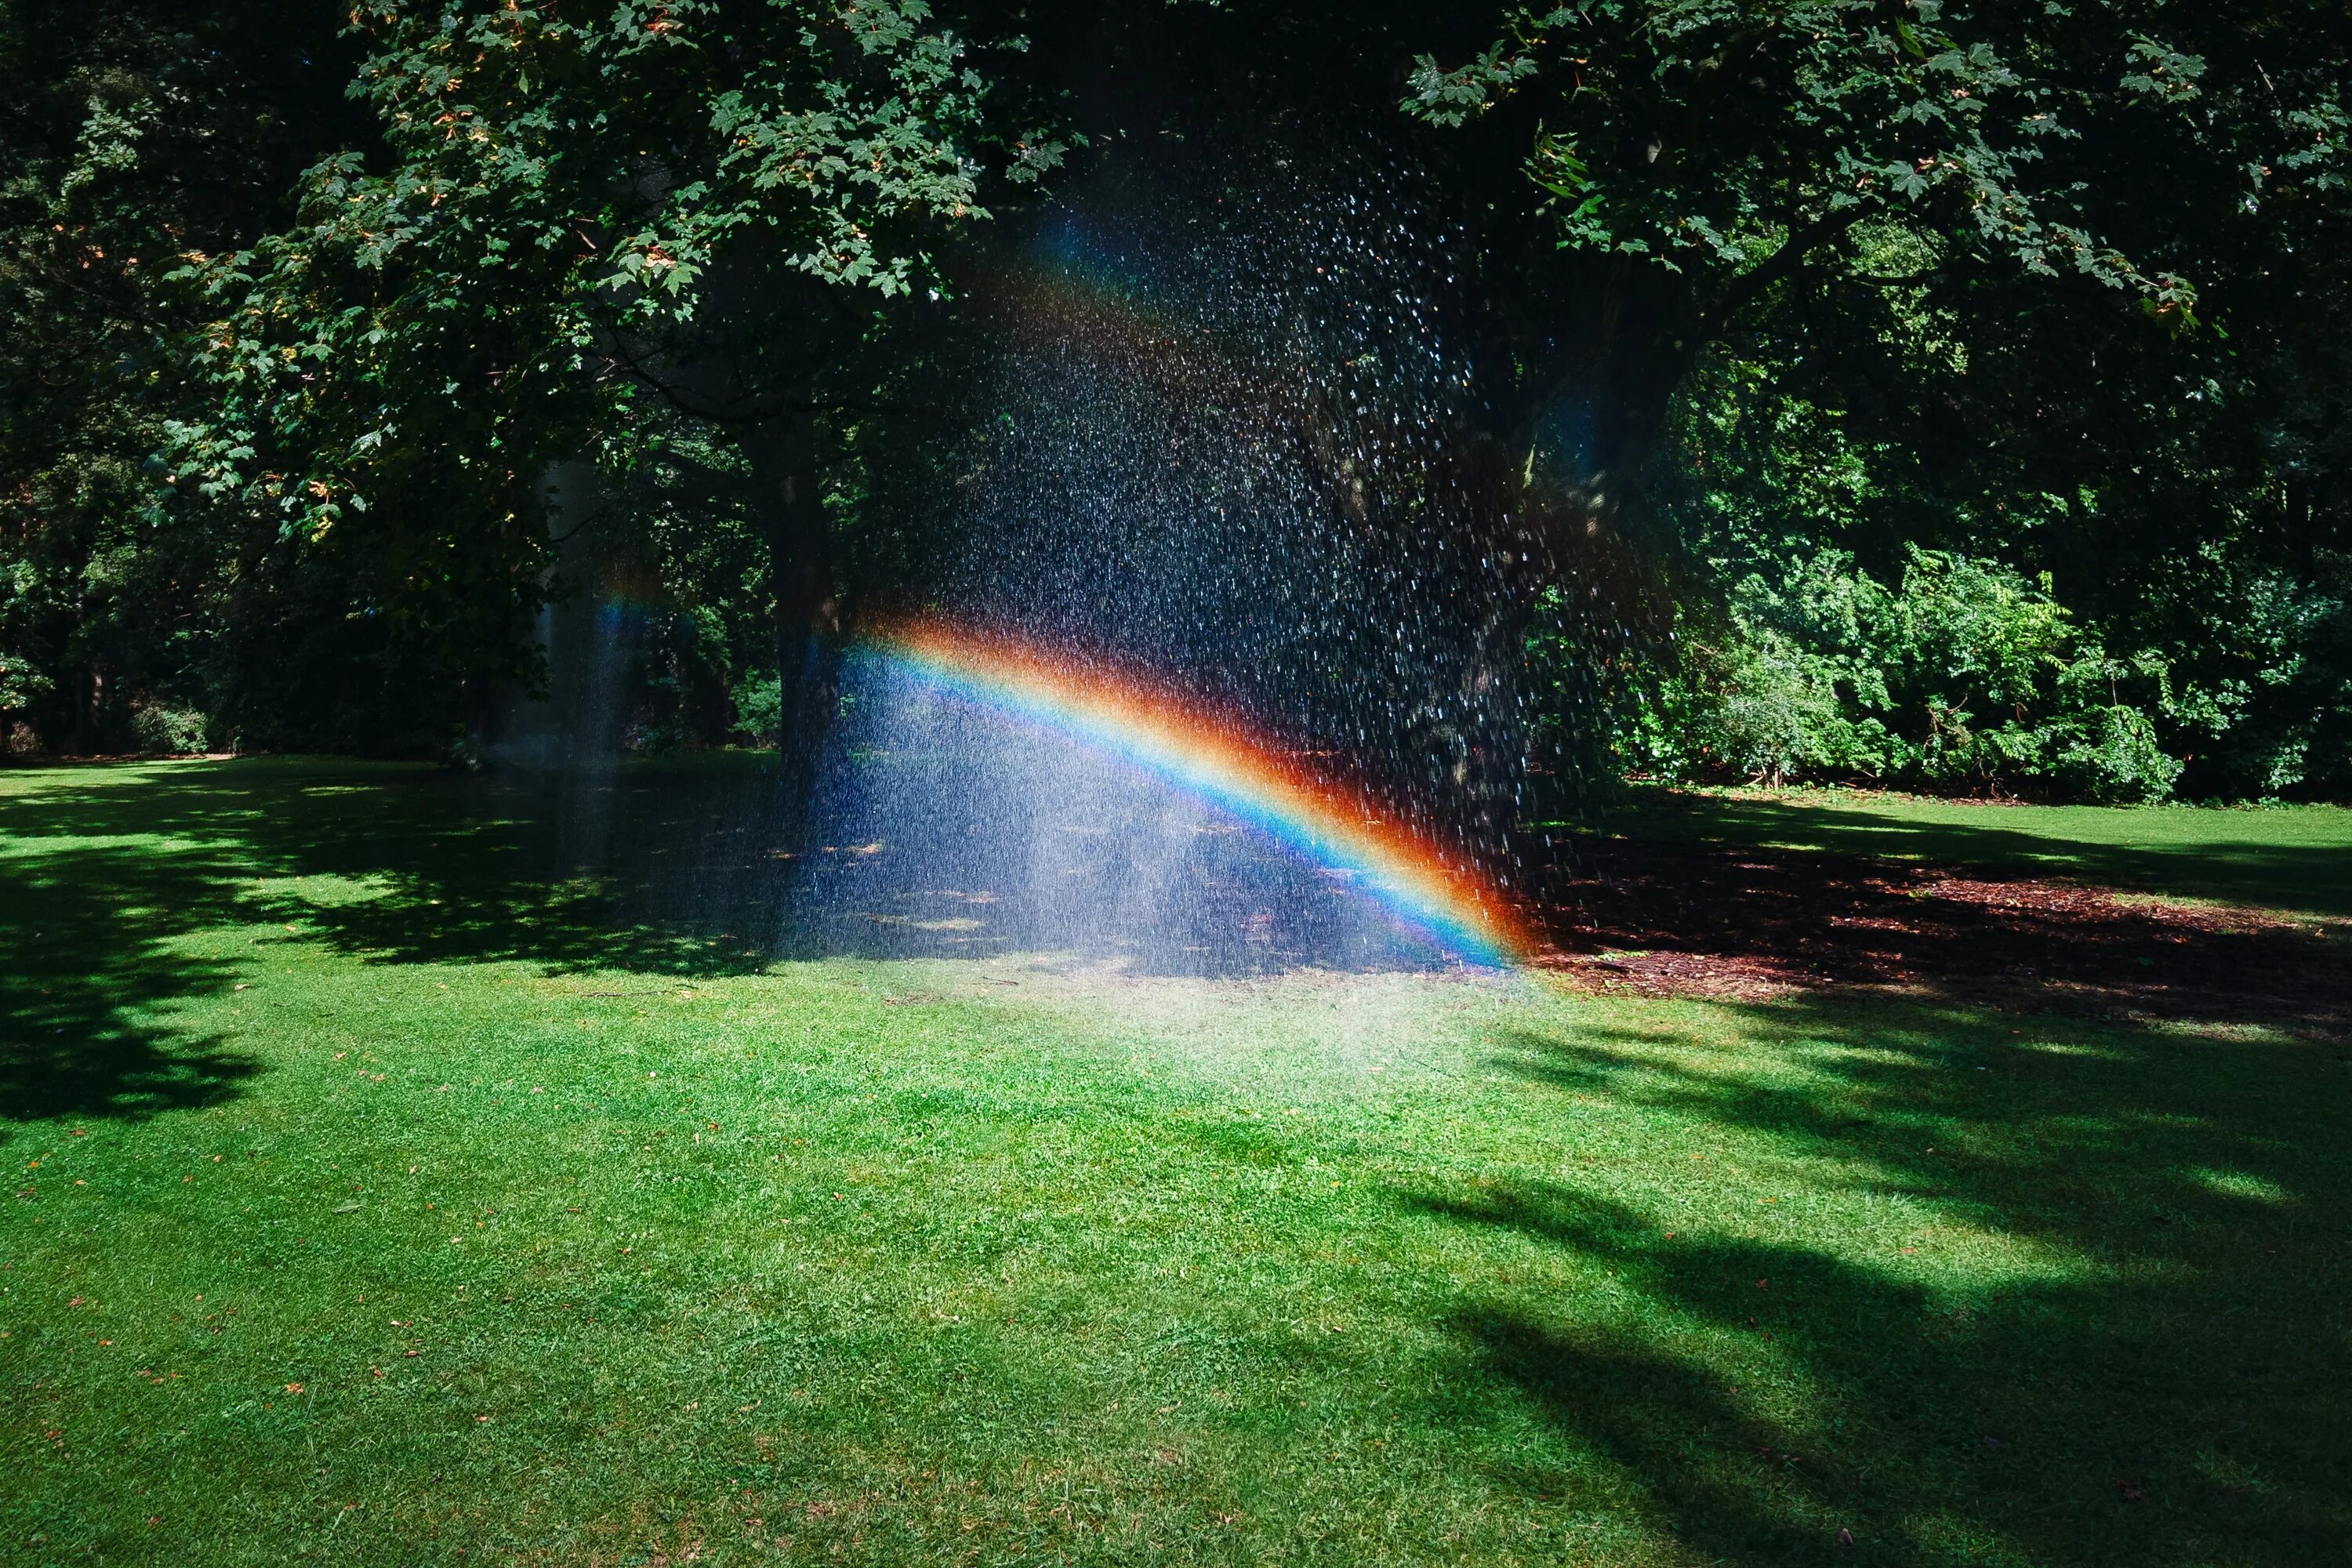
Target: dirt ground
1748, 923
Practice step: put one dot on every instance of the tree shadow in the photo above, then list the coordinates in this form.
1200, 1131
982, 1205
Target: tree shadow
87, 965
682, 868
949, 831
107, 874
2227, 857
638, 866
2119, 1339
1225, 908
1677, 913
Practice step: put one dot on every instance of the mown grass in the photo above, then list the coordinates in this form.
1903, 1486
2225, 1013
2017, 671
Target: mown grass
2296, 859
391, 1191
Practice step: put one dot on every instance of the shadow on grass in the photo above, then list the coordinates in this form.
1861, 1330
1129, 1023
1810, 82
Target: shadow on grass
2260, 859
85, 962
107, 874
1725, 900
2121, 1337
677, 868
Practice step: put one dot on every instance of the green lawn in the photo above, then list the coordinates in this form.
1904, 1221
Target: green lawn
390, 1193
2296, 860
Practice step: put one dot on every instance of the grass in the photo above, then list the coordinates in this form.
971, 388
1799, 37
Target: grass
2294, 860
391, 1191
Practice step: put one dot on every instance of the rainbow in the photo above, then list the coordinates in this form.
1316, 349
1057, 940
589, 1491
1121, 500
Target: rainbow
1212, 758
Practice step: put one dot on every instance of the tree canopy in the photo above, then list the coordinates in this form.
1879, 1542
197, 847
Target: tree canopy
1943, 394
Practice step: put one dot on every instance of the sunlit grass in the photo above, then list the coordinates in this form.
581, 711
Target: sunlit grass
350, 1225
2296, 859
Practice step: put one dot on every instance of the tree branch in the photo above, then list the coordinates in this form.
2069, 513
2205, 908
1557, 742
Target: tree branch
1782, 265
753, 408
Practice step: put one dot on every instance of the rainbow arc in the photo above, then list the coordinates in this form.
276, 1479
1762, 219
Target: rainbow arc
1425, 884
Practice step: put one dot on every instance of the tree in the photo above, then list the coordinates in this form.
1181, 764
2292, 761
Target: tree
2056, 276
1700, 160
131, 131
573, 214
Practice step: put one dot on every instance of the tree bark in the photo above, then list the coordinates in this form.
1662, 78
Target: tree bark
790, 509
89, 712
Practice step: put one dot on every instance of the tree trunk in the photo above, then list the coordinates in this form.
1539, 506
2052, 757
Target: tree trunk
89, 712
807, 619
1575, 447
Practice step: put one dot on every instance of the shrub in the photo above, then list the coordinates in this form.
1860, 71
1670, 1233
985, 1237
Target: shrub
2109, 756
1964, 678
759, 709
1759, 708
165, 730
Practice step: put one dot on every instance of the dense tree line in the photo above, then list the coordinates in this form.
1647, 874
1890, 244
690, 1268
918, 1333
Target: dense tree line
1953, 395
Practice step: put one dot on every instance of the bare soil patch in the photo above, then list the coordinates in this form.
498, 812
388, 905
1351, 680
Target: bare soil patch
1748, 923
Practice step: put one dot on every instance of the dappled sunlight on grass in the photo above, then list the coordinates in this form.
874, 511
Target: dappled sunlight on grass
1969, 1220
2293, 858
584, 1229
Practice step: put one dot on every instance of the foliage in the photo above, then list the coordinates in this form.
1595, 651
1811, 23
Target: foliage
759, 707
393, 377
294, 376
2049, 285
1963, 676
510, 244
1786, 451
133, 133
167, 730
1715, 138
2266, 695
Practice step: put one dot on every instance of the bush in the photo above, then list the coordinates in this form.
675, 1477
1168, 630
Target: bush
1963, 678
2270, 705
164, 731
1760, 709
759, 709
2109, 756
